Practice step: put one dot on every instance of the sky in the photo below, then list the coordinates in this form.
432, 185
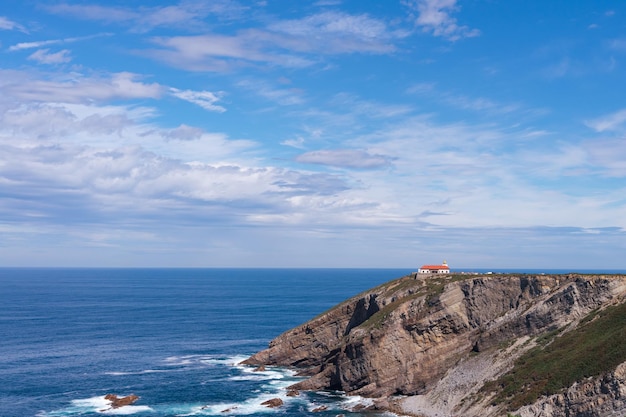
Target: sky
330, 133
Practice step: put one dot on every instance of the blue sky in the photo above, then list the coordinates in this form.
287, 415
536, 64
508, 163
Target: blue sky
331, 133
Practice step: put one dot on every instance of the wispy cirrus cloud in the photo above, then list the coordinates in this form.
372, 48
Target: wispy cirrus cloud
479, 104
78, 88
39, 44
205, 99
183, 132
292, 43
435, 16
282, 96
211, 52
184, 14
336, 32
608, 157
345, 158
44, 56
7, 24
611, 122
618, 44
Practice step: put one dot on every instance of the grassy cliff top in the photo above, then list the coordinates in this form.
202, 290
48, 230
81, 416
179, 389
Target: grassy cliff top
594, 348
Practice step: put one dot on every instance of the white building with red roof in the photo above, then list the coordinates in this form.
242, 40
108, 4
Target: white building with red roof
435, 269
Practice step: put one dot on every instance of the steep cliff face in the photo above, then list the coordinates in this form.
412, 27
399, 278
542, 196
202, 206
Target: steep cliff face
436, 339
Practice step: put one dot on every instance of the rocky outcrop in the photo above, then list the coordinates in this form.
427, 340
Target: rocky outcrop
117, 402
273, 403
436, 339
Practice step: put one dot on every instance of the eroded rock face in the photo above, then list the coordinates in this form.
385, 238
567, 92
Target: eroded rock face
404, 336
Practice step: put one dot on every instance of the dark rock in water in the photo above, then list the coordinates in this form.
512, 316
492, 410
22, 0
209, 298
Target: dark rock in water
273, 403
259, 369
293, 393
319, 409
117, 402
228, 410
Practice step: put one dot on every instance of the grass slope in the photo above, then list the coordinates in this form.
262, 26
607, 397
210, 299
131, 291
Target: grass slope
596, 346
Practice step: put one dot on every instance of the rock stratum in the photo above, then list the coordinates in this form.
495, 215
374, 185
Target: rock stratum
460, 345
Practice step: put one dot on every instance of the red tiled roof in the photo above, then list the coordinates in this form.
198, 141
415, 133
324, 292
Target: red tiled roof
434, 267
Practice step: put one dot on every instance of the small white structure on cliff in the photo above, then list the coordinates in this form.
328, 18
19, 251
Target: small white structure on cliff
435, 269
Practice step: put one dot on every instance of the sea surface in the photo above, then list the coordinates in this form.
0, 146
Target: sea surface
174, 337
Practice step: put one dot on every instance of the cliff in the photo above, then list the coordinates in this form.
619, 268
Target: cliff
449, 346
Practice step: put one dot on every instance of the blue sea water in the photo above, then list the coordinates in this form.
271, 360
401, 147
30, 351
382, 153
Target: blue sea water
174, 337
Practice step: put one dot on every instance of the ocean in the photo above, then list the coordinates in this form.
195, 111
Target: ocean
174, 337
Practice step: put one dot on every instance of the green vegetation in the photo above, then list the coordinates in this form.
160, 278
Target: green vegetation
595, 347
395, 283
430, 286
544, 339
378, 319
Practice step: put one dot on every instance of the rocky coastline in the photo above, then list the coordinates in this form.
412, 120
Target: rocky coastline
443, 346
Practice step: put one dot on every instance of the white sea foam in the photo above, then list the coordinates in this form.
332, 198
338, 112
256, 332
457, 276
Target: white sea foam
273, 384
258, 376
349, 403
228, 361
278, 380
93, 402
250, 406
127, 410
98, 405
356, 399
181, 360
146, 371
187, 360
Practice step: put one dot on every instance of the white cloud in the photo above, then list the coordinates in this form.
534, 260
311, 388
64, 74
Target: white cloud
94, 12
608, 156
43, 56
79, 164
611, 122
77, 88
185, 14
297, 143
345, 158
204, 99
184, 132
30, 45
289, 43
126, 184
208, 52
6, 24
38, 44
435, 16
336, 32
